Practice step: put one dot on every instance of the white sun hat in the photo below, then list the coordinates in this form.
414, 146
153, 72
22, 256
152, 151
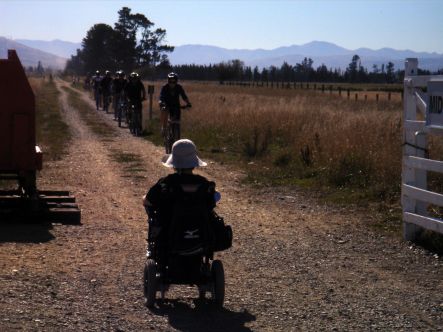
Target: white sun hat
184, 155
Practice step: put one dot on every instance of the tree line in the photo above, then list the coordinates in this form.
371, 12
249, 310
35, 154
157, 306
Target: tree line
133, 43
235, 70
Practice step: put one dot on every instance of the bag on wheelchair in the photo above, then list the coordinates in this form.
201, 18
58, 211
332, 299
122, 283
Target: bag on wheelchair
222, 233
189, 231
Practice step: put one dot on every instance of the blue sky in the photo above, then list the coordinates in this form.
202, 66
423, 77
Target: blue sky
407, 24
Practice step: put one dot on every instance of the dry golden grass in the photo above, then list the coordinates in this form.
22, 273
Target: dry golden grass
348, 141
294, 134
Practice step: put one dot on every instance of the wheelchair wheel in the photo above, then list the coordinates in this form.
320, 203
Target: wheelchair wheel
218, 277
150, 282
201, 292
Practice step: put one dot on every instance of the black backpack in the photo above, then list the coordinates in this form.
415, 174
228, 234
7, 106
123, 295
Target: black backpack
190, 232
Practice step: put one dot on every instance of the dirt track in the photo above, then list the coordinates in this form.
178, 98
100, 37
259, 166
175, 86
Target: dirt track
295, 264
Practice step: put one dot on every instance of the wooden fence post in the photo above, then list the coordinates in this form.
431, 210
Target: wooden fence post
339, 91
315, 86
348, 93
323, 88
376, 97
389, 96
356, 96
151, 94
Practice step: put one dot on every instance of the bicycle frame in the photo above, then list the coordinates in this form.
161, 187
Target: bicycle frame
172, 132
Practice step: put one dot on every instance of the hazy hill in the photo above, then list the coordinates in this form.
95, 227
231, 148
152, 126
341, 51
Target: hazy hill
58, 47
31, 56
321, 52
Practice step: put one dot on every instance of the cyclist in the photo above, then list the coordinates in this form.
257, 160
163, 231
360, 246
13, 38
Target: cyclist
170, 103
136, 93
96, 79
118, 86
105, 84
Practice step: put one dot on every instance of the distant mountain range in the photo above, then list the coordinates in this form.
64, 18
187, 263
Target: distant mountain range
56, 52
58, 47
331, 55
30, 56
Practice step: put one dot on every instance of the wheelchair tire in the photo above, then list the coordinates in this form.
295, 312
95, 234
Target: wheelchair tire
150, 282
218, 276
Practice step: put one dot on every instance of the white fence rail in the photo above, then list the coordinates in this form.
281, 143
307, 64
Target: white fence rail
415, 196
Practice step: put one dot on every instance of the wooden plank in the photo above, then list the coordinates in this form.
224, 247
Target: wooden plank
58, 199
425, 164
414, 125
54, 192
65, 216
422, 195
433, 224
422, 80
52, 205
420, 100
434, 130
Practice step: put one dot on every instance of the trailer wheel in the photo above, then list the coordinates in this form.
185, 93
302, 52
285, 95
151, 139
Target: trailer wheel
150, 282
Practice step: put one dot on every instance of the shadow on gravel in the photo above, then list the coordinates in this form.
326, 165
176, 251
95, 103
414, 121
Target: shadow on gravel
26, 233
202, 317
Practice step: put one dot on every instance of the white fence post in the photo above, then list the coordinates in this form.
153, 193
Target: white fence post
409, 175
415, 197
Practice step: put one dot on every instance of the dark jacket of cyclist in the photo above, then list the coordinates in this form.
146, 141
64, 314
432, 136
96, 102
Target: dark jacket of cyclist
118, 85
170, 96
135, 90
106, 83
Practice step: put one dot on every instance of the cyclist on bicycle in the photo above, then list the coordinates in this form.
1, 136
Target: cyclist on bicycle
106, 83
118, 86
96, 80
136, 93
170, 102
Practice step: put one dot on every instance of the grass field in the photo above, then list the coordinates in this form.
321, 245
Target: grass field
52, 133
285, 137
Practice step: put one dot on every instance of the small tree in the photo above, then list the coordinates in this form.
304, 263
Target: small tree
390, 76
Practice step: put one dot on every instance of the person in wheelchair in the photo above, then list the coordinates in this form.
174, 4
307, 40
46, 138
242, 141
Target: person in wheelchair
178, 201
184, 230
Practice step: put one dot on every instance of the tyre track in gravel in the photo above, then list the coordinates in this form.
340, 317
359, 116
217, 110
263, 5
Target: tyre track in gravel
295, 264
308, 261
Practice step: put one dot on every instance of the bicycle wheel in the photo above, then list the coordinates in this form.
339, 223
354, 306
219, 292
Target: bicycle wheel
175, 132
168, 137
119, 115
137, 123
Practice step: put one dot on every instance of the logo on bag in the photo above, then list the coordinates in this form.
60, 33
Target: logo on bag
191, 234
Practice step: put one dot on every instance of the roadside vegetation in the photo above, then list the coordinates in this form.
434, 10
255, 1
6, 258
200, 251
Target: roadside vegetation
88, 114
349, 151
52, 133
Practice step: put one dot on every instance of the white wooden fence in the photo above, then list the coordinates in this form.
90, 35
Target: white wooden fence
417, 126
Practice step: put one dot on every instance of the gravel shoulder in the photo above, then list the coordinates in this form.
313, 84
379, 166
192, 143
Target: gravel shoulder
295, 265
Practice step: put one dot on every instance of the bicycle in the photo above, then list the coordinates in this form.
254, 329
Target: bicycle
122, 110
135, 120
171, 133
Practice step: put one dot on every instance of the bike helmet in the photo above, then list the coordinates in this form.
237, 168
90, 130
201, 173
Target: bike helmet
172, 77
97, 72
121, 73
134, 75
107, 73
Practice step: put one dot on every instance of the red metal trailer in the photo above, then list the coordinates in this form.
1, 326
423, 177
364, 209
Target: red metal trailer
20, 157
